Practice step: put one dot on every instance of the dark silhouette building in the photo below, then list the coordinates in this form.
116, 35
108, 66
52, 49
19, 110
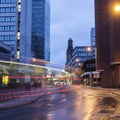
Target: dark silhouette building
69, 50
108, 42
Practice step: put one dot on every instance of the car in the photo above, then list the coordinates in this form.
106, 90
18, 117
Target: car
59, 83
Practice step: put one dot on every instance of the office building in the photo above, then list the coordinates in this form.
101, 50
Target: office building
35, 29
108, 41
8, 23
25, 27
79, 55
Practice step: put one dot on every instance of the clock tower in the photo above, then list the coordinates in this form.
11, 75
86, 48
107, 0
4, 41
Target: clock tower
69, 50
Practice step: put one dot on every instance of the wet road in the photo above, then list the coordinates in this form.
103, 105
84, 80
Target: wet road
76, 104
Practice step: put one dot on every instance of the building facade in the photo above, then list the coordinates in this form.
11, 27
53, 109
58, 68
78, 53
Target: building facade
35, 30
8, 23
108, 40
79, 56
41, 29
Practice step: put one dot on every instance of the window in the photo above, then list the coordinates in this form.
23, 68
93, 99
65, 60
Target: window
7, 9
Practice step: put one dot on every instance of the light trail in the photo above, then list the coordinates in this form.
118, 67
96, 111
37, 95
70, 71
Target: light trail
41, 94
30, 91
32, 65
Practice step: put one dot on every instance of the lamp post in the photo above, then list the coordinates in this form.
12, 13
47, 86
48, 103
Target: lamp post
88, 49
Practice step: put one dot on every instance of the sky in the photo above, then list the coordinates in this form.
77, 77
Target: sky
69, 18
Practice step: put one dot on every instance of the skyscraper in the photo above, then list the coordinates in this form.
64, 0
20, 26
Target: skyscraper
35, 29
25, 27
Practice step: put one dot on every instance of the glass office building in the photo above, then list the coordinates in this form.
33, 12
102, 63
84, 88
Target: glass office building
35, 30
41, 29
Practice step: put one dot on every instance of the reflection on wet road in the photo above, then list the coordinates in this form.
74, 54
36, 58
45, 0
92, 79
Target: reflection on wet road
76, 104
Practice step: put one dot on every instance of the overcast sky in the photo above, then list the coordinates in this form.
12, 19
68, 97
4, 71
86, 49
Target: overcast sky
70, 18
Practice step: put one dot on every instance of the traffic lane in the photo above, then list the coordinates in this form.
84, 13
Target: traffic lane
76, 104
80, 108
41, 107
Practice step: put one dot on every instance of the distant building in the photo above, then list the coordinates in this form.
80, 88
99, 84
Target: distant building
79, 53
93, 42
69, 51
82, 55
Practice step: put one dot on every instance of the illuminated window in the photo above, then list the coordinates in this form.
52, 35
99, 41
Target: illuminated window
18, 54
18, 35
19, 1
19, 8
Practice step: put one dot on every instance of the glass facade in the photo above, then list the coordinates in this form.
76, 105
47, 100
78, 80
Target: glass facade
93, 42
41, 29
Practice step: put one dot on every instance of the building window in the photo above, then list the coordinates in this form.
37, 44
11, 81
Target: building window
7, 9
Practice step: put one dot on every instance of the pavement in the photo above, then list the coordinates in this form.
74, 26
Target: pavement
30, 98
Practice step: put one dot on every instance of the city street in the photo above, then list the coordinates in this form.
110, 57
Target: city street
78, 103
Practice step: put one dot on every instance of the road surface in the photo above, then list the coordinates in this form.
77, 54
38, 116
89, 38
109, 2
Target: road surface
76, 104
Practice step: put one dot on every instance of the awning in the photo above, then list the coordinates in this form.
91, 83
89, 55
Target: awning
89, 73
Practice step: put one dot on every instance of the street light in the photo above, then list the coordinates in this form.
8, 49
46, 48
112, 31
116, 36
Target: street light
88, 49
117, 8
77, 60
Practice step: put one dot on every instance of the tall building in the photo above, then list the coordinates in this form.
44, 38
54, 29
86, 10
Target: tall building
35, 29
108, 41
25, 27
